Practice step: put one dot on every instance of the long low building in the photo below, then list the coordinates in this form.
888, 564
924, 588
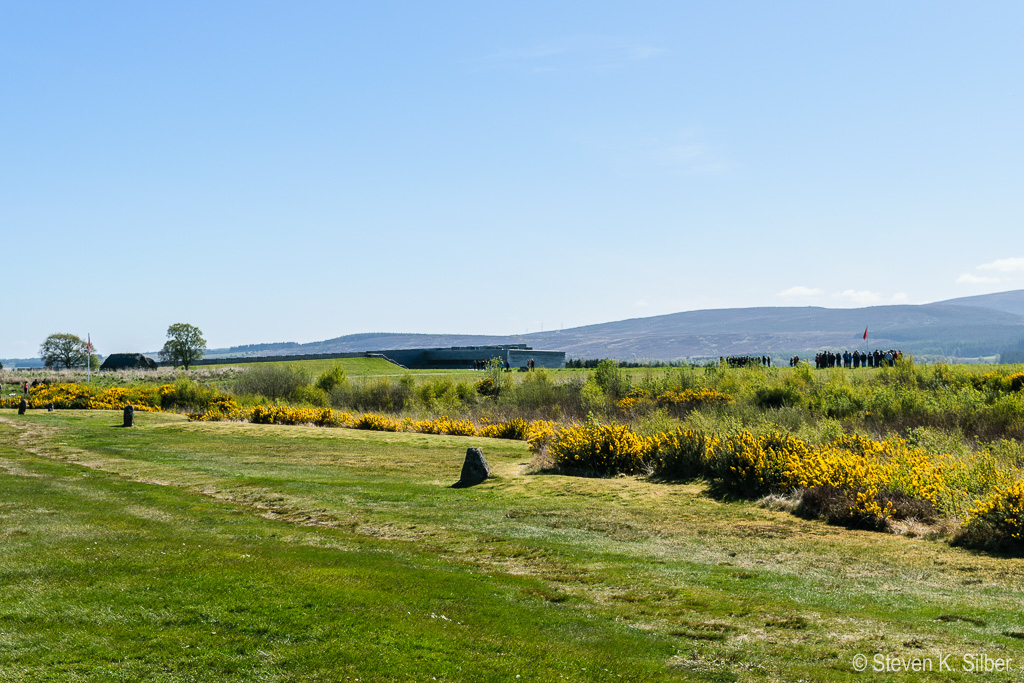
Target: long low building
458, 357
452, 357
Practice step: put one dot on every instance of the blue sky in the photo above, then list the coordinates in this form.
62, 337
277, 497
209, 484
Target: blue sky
273, 171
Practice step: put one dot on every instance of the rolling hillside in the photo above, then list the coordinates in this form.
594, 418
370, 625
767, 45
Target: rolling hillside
969, 327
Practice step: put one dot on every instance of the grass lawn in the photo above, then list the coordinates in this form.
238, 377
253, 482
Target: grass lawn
221, 551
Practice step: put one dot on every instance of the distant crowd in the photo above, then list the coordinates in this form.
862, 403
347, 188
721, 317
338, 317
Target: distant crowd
744, 361
853, 359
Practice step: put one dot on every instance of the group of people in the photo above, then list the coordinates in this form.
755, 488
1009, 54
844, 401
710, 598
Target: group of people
744, 361
853, 359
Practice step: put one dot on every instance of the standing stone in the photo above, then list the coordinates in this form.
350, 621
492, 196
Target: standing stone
22, 406
129, 416
474, 469
49, 407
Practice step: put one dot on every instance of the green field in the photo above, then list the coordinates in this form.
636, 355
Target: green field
354, 367
227, 551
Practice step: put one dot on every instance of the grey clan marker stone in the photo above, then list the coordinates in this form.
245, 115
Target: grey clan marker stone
474, 469
22, 406
129, 416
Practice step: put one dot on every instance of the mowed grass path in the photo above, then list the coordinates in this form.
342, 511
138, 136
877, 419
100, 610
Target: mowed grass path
199, 551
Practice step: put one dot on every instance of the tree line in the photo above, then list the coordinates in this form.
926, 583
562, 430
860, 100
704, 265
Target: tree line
64, 351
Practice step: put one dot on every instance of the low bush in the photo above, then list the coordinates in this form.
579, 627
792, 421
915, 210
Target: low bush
379, 423
378, 394
600, 449
682, 454
996, 523
276, 382
515, 428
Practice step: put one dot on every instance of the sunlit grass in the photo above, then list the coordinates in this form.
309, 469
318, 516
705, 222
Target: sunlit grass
181, 550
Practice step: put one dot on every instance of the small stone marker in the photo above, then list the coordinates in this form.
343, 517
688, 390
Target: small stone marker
129, 416
474, 469
49, 408
22, 406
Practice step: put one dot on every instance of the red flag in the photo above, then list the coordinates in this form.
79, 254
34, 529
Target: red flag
865, 333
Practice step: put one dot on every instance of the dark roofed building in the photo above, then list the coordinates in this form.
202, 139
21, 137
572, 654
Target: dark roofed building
128, 361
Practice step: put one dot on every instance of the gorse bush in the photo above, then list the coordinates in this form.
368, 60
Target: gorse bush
998, 522
600, 449
682, 454
379, 423
854, 480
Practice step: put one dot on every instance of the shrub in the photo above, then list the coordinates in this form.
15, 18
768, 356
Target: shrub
997, 523
379, 423
611, 379
276, 382
537, 393
682, 454
778, 397
444, 425
443, 393
184, 394
592, 397
540, 434
376, 394
332, 378
516, 428
600, 449
846, 507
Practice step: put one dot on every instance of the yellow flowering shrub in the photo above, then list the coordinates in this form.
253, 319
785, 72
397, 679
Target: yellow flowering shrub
677, 400
379, 423
637, 401
688, 399
444, 425
683, 454
540, 433
604, 449
72, 395
998, 522
517, 428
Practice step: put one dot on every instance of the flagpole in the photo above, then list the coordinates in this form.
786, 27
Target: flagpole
88, 359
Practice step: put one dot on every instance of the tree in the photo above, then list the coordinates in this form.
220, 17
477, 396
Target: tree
184, 346
64, 351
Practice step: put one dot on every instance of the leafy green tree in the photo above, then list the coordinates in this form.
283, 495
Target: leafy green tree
184, 346
64, 351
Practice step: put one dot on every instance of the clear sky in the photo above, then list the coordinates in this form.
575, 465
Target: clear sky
296, 171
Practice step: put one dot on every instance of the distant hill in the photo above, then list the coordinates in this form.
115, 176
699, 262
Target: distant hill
967, 327
946, 329
1008, 302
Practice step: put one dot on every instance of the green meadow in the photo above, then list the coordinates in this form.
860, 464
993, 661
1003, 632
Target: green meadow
181, 551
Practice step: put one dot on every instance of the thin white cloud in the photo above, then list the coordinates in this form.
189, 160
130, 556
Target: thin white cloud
899, 298
800, 292
642, 303
972, 279
1004, 265
859, 296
